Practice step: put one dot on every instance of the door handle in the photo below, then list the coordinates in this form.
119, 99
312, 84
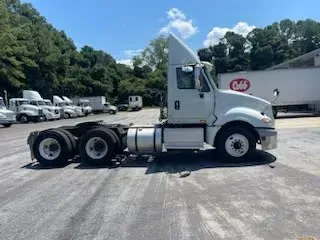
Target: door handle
177, 105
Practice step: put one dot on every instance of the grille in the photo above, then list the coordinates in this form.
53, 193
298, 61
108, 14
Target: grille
40, 112
56, 111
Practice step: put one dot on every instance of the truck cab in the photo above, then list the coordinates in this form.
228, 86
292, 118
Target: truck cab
50, 112
7, 117
85, 105
69, 103
24, 111
68, 111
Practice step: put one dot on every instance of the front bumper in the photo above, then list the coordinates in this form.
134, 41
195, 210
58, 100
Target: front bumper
268, 138
7, 121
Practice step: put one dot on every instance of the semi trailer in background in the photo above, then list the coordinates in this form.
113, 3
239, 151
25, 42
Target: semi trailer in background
199, 113
7, 117
98, 104
135, 103
299, 88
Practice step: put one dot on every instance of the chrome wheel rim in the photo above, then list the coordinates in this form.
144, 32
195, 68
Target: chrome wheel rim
50, 149
237, 145
96, 148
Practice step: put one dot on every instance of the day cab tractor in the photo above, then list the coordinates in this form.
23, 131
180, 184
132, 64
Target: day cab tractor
198, 113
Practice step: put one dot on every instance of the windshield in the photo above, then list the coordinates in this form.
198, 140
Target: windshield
2, 105
67, 104
41, 103
23, 102
48, 103
61, 104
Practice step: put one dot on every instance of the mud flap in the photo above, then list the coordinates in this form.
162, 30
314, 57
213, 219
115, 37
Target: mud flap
31, 138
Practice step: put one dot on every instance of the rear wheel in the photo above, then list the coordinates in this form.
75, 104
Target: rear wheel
52, 148
97, 146
236, 144
72, 139
7, 125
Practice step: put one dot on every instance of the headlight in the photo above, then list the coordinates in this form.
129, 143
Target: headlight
266, 119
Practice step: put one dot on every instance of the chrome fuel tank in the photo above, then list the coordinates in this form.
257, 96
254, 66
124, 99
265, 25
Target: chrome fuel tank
144, 139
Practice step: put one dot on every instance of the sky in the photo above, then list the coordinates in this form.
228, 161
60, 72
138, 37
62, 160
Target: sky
124, 27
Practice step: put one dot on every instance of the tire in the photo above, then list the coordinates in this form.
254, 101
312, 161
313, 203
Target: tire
56, 159
228, 142
105, 138
66, 115
72, 139
23, 118
7, 125
112, 112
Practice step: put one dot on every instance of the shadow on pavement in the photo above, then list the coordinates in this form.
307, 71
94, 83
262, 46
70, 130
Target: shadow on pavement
172, 162
179, 162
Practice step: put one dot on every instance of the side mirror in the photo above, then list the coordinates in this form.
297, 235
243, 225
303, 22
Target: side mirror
187, 69
276, 92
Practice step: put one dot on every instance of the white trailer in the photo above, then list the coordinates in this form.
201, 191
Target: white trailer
299, 88
99, 104
135, 102
198, 113
7, 117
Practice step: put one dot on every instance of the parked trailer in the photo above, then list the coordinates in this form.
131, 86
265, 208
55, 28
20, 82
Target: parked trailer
135, 102
198, 113
299, 88
99, 104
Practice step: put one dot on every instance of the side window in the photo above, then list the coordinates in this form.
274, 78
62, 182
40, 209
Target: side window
136, 98
33, 103
130, 99
185, 80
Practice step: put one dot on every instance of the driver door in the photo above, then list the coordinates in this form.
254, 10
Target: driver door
191, 104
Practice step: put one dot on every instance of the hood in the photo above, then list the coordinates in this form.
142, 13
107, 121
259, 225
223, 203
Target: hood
29, 106
5, 111
230, 99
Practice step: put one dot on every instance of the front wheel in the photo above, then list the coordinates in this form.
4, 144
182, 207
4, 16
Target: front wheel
66, 115
112, 112
23, 118
7, 125
236, 144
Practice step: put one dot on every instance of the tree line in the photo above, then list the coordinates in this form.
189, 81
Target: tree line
35, 55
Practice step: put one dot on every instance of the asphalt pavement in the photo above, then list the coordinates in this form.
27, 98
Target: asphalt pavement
274, 195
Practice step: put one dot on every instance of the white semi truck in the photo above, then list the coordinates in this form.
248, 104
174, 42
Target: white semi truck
24, 111
198, 113
7, 117
50, 112
68, 111
84, 103
300, 88
79, 110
